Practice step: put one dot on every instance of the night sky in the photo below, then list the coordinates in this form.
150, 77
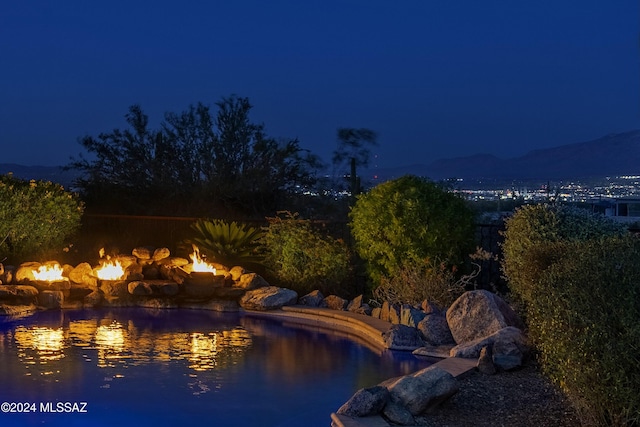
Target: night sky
434, 78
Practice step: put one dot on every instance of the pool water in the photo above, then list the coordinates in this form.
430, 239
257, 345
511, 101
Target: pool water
136, 367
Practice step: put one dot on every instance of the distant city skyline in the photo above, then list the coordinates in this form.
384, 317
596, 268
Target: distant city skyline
434, 80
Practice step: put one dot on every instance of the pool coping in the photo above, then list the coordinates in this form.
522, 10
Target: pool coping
366, 328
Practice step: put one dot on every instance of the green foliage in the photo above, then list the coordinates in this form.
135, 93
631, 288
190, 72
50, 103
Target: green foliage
302, 258
535, 224
228, 243
407, 220
584, 319
35, 217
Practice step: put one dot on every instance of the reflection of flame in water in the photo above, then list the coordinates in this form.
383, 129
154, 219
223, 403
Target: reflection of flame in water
217, 348
47, 342
110, 342
48, 273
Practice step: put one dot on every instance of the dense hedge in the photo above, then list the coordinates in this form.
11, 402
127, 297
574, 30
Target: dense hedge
35, 217
585, 322
408, 220
532, 225
578, 278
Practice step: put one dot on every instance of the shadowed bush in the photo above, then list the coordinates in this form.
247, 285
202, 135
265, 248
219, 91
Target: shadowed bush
303, 259
35, 217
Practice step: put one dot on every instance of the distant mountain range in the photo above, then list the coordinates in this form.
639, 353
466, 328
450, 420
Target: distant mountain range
615, 154
611, 155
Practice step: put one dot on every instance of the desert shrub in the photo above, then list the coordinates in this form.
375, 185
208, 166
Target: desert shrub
229, 243
35, 217
532, 225
584, 320
408, 220
430, 280
302, 258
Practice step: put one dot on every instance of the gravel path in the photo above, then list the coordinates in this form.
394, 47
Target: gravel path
519, 398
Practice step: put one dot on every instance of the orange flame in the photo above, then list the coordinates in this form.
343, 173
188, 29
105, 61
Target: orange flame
49, 273
110, 270
198, 264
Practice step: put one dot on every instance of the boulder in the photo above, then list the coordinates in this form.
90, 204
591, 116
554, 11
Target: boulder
143, 252
18, 294
51, 300
365, 402
424, 390
430, 307
334, 302
402, 337
411, 316
355, 304
250, 281
509, 347
154, 288
236, 272
384, 311
394, 314
268, 298
94, 299
485, 361
17, 310
156, 303
82, 274
114, 288
160, 254
313, 299
435, 330
24, 273
398, 414
477, 314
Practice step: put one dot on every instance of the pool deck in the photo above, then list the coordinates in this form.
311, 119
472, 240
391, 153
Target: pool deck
364, 329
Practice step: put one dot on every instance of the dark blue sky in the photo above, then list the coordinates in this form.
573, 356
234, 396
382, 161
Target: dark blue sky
435, 78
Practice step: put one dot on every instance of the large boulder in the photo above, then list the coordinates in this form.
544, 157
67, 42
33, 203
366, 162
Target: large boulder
365, 402
398, 414
435, 330
508, 345
18, 294
268, 298
402, 337
423, 390
477, 314
153, 288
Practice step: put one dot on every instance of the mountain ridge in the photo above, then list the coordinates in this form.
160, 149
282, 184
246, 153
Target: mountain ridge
613, 154
610, 155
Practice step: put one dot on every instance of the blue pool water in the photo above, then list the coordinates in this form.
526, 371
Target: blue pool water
134, 367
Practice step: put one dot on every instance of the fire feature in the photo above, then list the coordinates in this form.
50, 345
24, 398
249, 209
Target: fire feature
109, 269
49, 273
198, 264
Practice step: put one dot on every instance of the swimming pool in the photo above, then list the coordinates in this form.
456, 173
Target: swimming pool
129, 367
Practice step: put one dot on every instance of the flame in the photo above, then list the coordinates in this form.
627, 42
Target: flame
109, 270
198, 264
49, 273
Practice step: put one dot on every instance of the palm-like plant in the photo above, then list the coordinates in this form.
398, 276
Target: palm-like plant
229, 243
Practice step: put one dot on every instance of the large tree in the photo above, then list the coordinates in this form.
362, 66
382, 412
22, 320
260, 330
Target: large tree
226, 161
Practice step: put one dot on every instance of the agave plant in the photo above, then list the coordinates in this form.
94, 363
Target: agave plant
228, 243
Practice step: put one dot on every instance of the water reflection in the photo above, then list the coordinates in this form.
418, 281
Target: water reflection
39, 344
110, 343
